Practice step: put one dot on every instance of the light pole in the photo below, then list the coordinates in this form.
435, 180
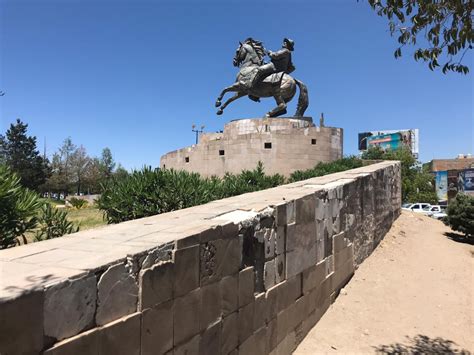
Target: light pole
197, 131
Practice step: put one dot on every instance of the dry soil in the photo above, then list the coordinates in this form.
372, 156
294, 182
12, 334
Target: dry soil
414, 294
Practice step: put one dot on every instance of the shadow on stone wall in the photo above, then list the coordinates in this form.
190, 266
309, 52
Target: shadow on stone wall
422, 344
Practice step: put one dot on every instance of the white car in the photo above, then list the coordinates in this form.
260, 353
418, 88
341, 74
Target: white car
432, 209
439, 215
416, 207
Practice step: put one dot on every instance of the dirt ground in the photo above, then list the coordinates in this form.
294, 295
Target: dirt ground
414, 294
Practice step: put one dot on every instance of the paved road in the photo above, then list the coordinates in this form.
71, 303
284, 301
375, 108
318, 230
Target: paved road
414, 293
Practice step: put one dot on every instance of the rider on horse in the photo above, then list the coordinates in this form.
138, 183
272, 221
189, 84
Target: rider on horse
280, 62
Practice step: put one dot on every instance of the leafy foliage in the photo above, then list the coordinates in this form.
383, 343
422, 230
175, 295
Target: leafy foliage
417, 184
18, 209
446, 25
461, 214
18, 151
152, 191
78, 203
321, 169
53, 223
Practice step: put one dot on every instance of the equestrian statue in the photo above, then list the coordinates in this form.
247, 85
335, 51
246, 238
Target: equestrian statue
257, 79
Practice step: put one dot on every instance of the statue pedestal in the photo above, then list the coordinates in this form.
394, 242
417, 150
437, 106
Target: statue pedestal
283, 145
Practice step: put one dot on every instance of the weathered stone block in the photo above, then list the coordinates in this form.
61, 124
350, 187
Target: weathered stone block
246, 286
84, 343
260, 311
210, 234
280, 240
189, 347
269, 243
69, 307
272, 341
156, 285
290, 212
281, 219
219, 258
280, 268
157, 329
305, 209
271, 297
186, 316
229, 286
121, 337
313, 276
291, 236
189, 241
230, 230
186, 270
269, 274
210, 342
21, 324
117, 294
246, 321
255, 344
210, 306
230, 333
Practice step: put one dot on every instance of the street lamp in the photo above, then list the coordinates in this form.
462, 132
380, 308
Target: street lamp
197, 131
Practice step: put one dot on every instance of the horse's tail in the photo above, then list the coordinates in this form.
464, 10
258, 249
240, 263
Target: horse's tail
303, 100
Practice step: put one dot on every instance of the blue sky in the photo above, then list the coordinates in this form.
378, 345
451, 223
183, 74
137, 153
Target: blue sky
135, 75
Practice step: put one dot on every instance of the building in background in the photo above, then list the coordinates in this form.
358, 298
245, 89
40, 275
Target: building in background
390, 140
452, 176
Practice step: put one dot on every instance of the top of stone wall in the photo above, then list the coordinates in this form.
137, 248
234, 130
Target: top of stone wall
37, 265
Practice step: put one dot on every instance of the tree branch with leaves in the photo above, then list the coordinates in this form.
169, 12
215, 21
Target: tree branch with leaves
446, 26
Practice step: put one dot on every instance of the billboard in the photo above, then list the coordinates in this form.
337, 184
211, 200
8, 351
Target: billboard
390, 139
441, 183
466, 181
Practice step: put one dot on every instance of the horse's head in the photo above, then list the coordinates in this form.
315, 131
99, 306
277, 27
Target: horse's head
251, 50
240, 55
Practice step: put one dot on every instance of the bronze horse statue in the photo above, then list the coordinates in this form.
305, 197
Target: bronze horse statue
249, 56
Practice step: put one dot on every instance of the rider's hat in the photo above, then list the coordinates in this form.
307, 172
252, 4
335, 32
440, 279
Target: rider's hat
290, 43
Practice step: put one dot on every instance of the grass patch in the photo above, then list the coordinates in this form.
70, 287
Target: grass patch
86, 218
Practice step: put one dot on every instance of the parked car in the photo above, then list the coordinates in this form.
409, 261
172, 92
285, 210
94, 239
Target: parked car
416, 207
439, 215
431, 210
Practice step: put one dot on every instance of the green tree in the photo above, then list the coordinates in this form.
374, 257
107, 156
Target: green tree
121, 172
461, 214
417, 183
107, 163
18, 151
19, 207
79, 161
445, 25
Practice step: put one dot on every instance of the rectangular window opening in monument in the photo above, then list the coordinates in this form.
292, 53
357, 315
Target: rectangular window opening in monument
221, 152
186, 159
313, 141
267, 129
267, 145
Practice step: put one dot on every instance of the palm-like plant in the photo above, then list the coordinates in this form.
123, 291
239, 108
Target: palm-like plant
18, 209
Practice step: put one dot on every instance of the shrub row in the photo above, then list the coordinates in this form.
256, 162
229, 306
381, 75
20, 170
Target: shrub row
150, 191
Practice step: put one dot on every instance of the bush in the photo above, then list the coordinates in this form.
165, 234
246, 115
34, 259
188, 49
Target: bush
153, 191
461, 214
53, 223
78, 203
18, 209
350, 162
417, 183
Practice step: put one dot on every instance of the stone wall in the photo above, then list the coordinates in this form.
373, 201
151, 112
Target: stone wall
283, 145
249, 274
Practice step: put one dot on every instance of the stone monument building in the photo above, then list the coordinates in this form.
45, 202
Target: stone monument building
283, 145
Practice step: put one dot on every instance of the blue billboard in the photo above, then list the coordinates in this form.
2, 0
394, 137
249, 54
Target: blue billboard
441, 183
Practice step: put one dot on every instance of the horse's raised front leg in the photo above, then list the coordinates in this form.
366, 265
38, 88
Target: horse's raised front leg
237, 95
233, 87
